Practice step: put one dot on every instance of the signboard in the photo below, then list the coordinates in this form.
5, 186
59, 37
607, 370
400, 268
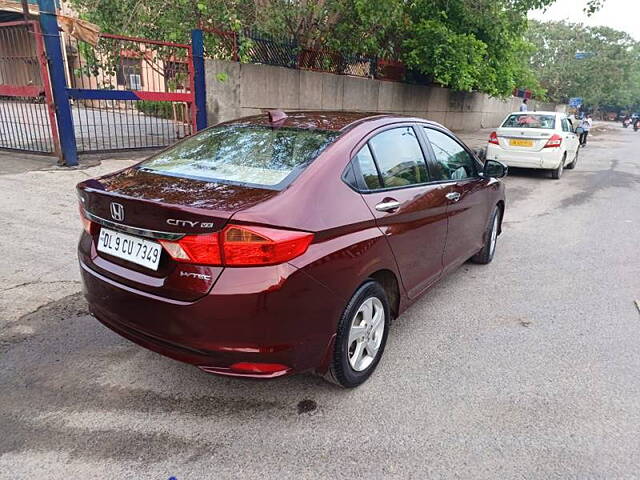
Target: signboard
575, 102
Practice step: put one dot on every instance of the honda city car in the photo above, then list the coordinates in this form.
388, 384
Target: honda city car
543, 140
285, 243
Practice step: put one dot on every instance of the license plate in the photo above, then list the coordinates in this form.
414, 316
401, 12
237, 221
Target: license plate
516, 142
127, 247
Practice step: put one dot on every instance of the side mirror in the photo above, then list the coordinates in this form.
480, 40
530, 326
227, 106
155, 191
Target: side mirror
495, 169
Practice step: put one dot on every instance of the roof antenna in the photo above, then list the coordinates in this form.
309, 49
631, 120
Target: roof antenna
276, 116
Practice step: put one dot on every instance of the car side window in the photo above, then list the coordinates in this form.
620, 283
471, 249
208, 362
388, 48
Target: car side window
368, 168
565, 125
452, 161
399, 157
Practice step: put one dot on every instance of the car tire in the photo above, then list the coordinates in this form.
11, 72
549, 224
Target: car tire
352, 362
573, 164
557, 173
485, 255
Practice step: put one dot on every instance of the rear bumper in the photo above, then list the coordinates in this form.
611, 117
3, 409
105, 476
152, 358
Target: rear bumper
547, 158
276, 315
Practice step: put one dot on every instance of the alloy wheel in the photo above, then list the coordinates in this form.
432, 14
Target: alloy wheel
494, 235
366, 333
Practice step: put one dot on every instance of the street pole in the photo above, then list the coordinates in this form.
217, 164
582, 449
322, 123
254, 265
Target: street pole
200, 94
25, 10
53, 48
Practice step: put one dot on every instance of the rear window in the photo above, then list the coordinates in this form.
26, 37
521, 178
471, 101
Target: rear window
254, 155
530, 120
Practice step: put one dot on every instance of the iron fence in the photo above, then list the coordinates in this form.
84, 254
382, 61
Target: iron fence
264, 49
27, 120
253, 47
25, 125
130, 93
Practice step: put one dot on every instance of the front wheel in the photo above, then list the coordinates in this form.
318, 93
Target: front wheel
361, 337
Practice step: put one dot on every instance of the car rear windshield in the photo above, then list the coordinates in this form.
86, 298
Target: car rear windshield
530, 120
262, 156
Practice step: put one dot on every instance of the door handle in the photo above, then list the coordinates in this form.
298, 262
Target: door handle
453, 196
388, 205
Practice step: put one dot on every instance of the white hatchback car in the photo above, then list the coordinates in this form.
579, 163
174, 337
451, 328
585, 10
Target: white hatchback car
544, 140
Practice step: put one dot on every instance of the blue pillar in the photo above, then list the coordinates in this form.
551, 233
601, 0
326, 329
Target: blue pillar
52, 45
200, 93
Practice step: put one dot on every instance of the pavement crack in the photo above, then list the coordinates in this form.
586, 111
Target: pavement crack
37, 282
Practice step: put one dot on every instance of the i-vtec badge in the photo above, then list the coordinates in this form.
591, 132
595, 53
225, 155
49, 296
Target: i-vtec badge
188, 223
199, 276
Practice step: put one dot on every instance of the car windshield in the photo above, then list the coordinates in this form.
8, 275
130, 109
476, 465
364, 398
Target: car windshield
264, 156
530, 120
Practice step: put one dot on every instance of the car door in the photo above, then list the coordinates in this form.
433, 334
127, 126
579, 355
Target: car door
468, 208
570, 137
410, 211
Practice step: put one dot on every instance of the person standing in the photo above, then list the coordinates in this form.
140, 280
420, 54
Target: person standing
523, 106
586, 125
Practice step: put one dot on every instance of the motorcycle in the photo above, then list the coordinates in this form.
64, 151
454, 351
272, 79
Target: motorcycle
626, 122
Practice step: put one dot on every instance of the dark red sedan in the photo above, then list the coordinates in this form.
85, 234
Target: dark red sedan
282, 243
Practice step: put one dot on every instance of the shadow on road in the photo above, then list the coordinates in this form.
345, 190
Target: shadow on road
62, 362
529, 173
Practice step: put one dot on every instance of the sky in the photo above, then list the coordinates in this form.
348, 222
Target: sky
619, 14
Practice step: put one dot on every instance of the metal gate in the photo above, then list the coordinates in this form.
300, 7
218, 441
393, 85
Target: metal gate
27, 115
130, 93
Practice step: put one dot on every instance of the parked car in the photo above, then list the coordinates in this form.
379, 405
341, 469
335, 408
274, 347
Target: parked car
544, 140
278, 244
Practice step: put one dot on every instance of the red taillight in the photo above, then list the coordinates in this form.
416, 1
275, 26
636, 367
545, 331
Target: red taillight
202, 249
240, 246
87, 224
262, 246
554, 141
259, 368
493, 138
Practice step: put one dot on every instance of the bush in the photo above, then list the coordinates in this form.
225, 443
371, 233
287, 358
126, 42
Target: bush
156, 109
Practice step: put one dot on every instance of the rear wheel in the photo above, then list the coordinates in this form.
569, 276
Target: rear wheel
361, 337
485, 255
572, 165
557, 173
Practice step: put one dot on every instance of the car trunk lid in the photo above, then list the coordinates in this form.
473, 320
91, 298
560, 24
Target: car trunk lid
154, 207
523, 139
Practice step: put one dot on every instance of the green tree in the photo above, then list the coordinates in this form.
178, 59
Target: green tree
462, 44
606, 72
471, 44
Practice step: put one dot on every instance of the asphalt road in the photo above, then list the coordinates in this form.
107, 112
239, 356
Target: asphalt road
526, 368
